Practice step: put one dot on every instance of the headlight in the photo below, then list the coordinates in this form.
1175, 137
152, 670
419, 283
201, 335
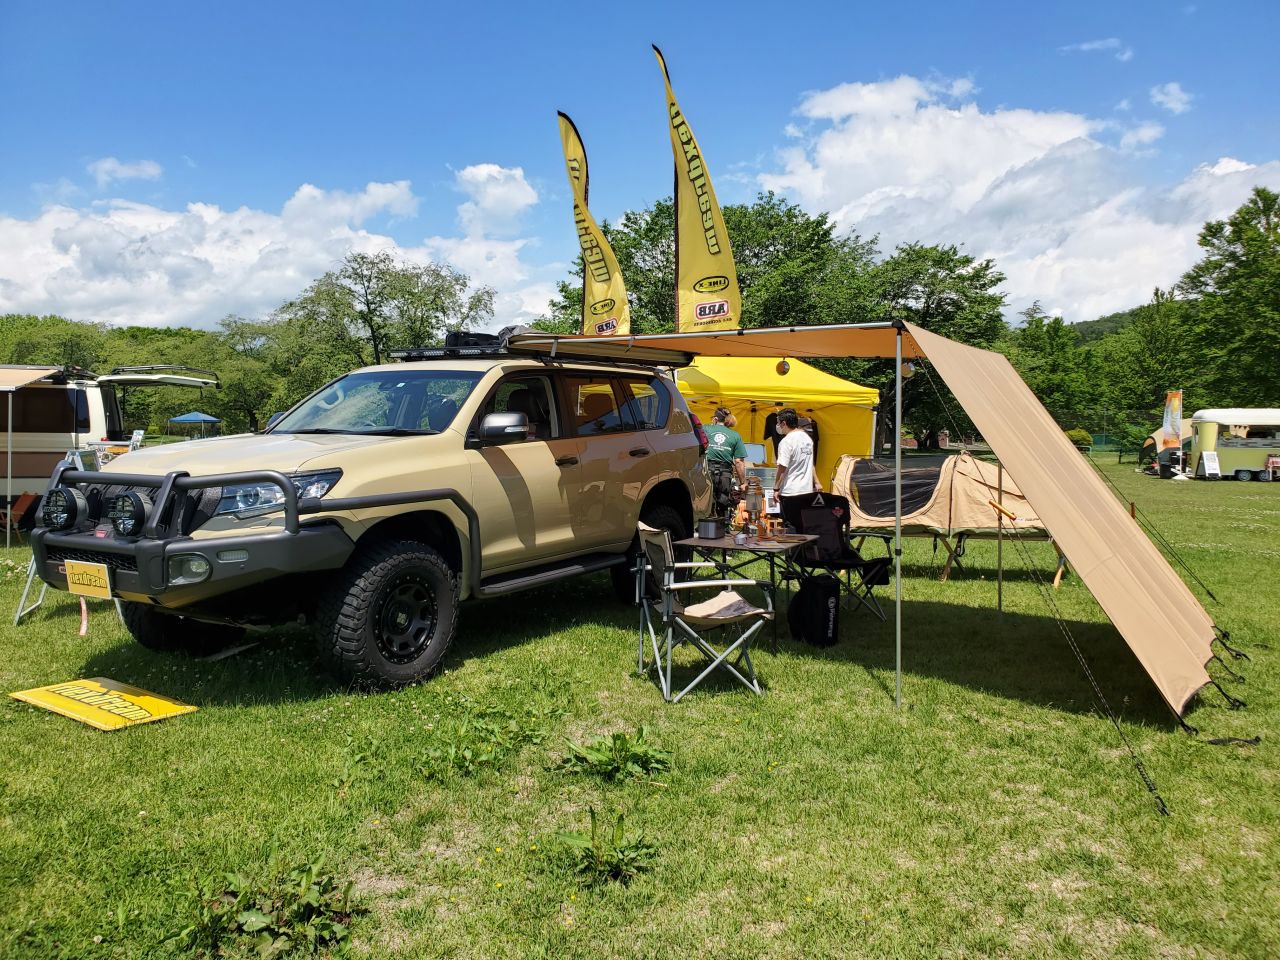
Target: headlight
128, 512
254, 499
63, 508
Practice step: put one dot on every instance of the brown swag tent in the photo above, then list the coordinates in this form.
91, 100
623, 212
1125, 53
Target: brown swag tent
1163, 623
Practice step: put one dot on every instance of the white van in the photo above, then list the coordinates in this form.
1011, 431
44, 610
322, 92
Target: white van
60, 409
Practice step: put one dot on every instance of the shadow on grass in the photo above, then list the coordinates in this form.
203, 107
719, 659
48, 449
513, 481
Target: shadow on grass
281, 668
1014, 655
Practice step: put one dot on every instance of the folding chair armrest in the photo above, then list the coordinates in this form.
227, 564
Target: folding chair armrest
694, 565
691, 584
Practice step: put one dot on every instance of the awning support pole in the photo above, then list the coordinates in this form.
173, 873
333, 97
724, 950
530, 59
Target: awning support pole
897, 518
1000, 540
8, 483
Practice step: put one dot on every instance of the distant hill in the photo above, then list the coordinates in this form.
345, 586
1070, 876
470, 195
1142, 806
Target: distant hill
1091, 331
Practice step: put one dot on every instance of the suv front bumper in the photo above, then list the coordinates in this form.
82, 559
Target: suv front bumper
140, 568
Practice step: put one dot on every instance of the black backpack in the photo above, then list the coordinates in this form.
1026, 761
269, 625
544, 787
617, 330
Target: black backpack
814, 612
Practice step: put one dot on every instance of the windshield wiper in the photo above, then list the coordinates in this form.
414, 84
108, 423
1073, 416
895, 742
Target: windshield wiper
314, 430
395, 432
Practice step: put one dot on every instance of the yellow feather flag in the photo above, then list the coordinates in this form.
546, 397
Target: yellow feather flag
604, 295
707, 294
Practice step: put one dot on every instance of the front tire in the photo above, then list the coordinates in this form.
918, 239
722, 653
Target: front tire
391, 616
173, 633
660, 517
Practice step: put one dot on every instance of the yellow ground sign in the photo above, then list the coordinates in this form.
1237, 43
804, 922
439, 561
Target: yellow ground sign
89, 579
103, 703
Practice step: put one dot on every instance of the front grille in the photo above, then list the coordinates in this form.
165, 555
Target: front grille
116, 561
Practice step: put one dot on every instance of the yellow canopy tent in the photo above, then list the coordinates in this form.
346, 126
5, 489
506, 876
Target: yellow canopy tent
753, 388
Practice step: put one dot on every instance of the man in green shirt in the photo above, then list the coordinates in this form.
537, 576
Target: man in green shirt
726, 457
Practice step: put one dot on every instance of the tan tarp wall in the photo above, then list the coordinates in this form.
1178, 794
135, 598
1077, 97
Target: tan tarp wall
961, 502
1163, 623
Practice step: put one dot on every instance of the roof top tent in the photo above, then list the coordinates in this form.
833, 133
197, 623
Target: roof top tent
1155, 612
47, 410
756, 388
1243, 438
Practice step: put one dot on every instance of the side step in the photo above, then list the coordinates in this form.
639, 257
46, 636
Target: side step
538, 576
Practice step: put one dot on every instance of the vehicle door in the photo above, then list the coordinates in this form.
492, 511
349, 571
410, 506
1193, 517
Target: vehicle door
614, 455
523, 490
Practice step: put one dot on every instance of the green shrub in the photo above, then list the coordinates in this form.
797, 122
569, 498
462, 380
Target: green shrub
617, 757
296, 913
608, 855
478, 738
1081, 438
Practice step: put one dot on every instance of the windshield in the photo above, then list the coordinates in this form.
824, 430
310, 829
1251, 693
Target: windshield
383, 403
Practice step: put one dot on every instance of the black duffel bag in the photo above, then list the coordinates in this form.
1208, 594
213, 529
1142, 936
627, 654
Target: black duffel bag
814, 612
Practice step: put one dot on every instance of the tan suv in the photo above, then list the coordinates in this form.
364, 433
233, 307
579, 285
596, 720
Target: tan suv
377, 504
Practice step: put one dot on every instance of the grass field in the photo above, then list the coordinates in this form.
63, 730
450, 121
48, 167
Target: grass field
997, 815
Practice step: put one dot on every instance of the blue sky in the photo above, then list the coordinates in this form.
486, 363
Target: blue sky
1080, 146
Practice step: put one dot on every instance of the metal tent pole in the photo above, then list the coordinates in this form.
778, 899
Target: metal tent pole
1000, 539
8, 484
897, 517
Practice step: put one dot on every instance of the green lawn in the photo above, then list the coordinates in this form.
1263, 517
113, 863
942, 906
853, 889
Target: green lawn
997, 815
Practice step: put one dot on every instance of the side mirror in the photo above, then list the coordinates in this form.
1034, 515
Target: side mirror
504, 427
273, 420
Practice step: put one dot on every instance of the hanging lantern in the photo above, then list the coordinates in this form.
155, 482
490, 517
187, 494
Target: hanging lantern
908, 370
783, 368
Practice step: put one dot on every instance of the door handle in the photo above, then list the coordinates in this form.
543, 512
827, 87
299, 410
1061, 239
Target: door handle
639, 452
566, 461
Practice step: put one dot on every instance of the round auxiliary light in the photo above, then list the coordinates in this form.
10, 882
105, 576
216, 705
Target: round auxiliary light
128, 512
63, 508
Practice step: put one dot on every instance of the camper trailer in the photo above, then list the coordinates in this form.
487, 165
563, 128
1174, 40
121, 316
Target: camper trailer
46, 411
1244, 439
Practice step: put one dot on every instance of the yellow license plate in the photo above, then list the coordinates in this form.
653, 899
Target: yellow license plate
89, 579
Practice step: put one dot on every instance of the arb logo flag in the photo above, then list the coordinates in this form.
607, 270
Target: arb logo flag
707, 296
604, 296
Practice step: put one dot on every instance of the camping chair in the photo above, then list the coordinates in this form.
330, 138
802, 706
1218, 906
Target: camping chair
660, 593
11, 516
826, 515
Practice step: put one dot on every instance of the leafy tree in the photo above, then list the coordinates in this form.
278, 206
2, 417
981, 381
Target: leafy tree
793, 268
372, 304
1236, 286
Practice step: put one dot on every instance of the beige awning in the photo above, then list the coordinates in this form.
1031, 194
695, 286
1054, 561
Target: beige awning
832, 340
1158, 616
11, 378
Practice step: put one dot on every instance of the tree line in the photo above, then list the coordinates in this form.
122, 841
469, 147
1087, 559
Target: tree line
1214, 333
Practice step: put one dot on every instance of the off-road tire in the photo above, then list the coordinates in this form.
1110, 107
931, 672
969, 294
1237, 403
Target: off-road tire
172, 633
660, 517
382, 581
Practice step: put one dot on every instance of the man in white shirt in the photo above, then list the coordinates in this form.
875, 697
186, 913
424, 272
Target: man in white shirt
795, 481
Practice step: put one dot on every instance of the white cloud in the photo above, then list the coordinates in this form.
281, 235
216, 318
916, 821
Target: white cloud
1122, 51
108, 170
1123, 104
134, 263
1053, 197
1140, 136
498, 196
1172, 97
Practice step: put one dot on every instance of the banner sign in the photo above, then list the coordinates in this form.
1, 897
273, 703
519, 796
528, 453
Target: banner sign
103, 703
1172, 420
605, 309
707, 295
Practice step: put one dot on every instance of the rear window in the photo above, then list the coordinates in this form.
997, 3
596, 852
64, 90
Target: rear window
594, 406
46, 410
649, 402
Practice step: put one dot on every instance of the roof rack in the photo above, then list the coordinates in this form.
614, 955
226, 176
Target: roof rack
435, 353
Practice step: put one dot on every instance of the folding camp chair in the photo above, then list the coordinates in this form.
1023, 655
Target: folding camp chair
826, 515
660, 593
11, 516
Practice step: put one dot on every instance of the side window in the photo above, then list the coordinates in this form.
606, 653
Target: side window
649, 401
531, 396
594, 407
47, 410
